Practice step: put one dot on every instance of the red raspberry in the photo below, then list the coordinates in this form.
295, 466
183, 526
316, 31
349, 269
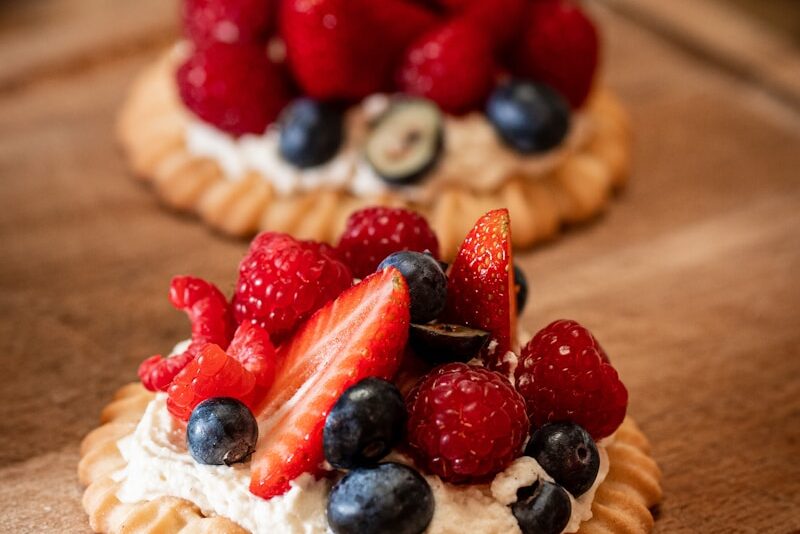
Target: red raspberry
283, 281
207, 309
564, 375
434, 67
157, 372
252, 348
559, 47
235, 87
500, 19
212, 374
465, 423
228, 21
371, 234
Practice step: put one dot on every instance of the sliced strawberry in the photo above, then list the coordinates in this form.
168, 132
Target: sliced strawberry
480, 291
252, 348
360, 334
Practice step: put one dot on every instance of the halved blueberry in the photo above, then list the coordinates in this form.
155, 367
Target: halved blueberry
443, 343
311, 132
406, 141
520, 288
542, 508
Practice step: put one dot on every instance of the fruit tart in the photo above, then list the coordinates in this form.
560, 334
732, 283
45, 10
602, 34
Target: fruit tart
287, 115
402, 402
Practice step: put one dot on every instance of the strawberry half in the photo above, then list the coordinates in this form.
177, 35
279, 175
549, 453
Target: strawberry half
480, 291
360, 334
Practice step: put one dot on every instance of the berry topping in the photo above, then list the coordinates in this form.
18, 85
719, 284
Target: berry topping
372, 234
388, 498
229, 21
221, 431
283, 281
568, 453
251, 346
364, 424
529, 117
501, 20
157, 372
427, 283
207, 309
233, 86
406, 141
331, 45
451, 65
465, 423
520, 288
543, 508
212, 374
444, 343
566, 378
311, 132
360, 334
481, 292
559, 47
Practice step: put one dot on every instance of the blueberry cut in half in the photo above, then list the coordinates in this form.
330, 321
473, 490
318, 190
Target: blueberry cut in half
311, 132
406, 141
528, 117
542, 508
427, 283
443, 343
520, 287
568, 453
364, 425
390, 498
221, 431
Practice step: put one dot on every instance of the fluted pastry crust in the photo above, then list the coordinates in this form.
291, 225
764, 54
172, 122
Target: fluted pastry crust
621, 504
152, 129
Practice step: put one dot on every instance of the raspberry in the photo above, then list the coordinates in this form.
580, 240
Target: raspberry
372, 234
465, 423
233, 86
252, 348
564, 375
212, 374
157, 372
434, 67
283, 281
207, 309
559, 47
228, 21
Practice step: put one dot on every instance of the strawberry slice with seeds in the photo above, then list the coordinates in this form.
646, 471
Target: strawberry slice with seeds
360, 334
480, 291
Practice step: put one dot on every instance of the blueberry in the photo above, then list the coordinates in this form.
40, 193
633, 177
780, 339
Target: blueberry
529, 117
521, 288
568, 453
364, 424
443, 343
311, 132
427, 283
388, 498
406, 141
221, 431
542, 508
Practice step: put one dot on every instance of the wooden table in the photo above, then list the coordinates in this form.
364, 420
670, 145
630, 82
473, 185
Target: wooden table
690, 280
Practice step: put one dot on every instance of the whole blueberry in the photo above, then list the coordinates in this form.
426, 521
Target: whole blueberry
427, 283
311, 132
364, 424
221, 431
568, 453
529, 117
521, 288
542, 508
388, 498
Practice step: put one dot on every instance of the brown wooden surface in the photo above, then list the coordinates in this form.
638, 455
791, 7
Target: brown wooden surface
690, 280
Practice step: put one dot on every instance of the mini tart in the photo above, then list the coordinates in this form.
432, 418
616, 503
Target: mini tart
621, 504
152, 130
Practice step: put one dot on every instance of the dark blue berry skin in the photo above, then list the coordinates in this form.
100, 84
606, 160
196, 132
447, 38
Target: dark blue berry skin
221, 431
311, 132
543, 508
390, 498
439, 343
427, 283
521, 283
568, 453
529, 117
364, 425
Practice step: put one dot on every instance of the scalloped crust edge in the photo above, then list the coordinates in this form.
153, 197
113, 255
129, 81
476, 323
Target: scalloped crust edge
621, 504
151, 130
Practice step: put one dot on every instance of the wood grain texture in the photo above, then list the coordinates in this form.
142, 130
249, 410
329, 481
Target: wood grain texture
690, 283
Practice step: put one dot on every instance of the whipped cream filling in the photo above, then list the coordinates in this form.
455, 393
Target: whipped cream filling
158, 464
473, 156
